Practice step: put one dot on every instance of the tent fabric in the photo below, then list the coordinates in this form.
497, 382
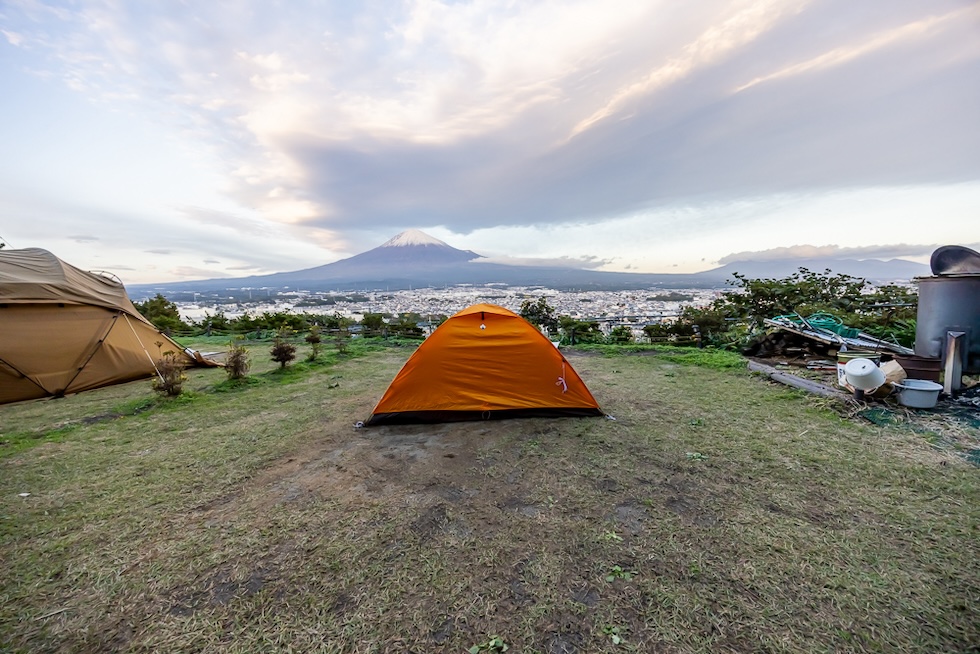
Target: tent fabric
485, 362
64, 330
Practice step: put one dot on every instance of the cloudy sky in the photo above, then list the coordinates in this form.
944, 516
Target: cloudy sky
183, 140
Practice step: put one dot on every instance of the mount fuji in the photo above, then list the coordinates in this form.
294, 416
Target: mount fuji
415, 259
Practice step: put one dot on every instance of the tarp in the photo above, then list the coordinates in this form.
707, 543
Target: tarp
64, 330
484, 362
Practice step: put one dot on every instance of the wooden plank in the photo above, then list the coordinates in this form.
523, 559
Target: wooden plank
798, 382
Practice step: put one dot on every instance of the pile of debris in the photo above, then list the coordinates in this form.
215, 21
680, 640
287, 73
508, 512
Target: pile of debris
820, 335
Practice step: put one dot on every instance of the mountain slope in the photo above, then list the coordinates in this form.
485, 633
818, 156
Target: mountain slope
413, 259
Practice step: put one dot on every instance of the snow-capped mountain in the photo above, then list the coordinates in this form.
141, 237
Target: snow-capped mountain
412, 237
414, 259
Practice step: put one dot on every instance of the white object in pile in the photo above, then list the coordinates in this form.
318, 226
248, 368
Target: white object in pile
918, 393
863, 374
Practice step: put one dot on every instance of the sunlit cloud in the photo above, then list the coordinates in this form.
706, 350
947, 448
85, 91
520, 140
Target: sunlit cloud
842, 55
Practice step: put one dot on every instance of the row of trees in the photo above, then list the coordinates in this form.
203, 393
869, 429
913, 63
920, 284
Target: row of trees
887, 312
732, 320
165, 316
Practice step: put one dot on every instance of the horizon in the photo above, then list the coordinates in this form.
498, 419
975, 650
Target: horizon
655, 138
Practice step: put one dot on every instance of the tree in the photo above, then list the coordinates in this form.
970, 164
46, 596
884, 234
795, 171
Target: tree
540, 313
407, 325
373, 322
621, 335
162, 313
314, 339
887, 312
236, 361
580, 331
341, 334
282, 350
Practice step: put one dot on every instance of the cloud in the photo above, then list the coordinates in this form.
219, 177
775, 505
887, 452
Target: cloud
83, 238
192, 272
325, 123
831, 252
585, 262
715, 42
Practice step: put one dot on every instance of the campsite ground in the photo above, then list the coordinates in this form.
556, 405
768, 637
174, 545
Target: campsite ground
717, 512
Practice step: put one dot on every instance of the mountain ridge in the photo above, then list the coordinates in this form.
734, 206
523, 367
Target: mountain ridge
413, 259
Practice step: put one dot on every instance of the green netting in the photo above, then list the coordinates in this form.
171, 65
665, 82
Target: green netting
825, 321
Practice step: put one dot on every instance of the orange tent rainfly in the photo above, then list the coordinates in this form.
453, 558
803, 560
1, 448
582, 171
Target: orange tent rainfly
485, 362
64, 330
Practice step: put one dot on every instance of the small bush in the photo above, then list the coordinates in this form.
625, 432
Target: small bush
237, 363
283, 351
341, 339
170, 375
315, 341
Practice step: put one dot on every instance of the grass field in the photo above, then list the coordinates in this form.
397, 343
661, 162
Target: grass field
716, 513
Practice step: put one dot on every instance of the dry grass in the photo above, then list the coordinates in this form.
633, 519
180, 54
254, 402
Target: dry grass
749, 517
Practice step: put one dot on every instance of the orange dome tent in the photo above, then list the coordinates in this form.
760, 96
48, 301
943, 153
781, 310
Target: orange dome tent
484, 362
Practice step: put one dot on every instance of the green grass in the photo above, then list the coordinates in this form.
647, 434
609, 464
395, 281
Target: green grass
707, 357
252, 517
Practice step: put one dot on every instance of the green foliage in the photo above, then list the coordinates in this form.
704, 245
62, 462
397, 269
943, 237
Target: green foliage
803, 291
162, 313
706, 358
621, 335
615, 633
282, 350
618, 572
315, 341
236, 361
170, 375
373, 323
671, 296
887, 312
341, 335
218, 321
407, 326
576, 332
541, 314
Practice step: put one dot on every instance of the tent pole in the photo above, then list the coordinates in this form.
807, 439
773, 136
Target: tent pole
152, 362
97, 347
27, 377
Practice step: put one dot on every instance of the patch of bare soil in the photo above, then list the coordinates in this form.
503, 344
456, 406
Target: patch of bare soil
417, 465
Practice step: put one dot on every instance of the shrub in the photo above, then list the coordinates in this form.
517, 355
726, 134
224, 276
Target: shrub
621, 335
315, 341
237, 363
170, 375
341, 338
282, 350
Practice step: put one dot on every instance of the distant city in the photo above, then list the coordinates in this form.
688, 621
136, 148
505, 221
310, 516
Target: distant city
609, 308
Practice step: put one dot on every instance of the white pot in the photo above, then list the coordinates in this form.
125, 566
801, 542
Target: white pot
863, 374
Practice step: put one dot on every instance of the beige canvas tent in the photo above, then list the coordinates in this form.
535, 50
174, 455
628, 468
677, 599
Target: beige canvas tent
64, 330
